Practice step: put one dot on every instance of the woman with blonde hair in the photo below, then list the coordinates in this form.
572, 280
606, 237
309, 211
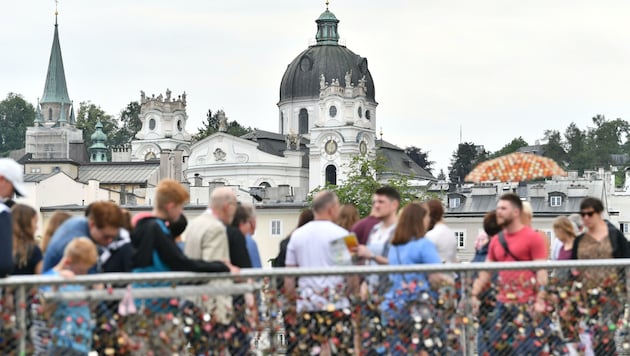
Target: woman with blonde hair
27, 256
565, 232
57, 218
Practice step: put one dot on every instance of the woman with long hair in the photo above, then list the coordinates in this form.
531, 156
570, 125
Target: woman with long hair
27, 256
410, 297
57, 218
348, 216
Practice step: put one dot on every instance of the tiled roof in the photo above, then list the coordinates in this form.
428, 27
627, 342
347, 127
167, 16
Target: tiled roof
122, 173
37, 177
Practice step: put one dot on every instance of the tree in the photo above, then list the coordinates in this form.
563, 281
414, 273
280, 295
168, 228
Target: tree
421, 158
16, 114
464, 159
441, 176
578, 156
129, 124
554, 148
211, 125
511, 147
605, 139
89, 114
362, 181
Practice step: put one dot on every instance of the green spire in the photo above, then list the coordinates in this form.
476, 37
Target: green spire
327, 28
38, 115
98, 150
55, 90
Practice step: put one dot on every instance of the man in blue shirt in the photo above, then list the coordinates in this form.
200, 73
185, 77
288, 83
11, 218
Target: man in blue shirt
10, 184
245, 221
102, 226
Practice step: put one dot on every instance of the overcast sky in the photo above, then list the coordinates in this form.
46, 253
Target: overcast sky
499, 69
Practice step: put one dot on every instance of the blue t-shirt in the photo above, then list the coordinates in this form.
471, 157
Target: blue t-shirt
419, 251
71, 322
252, 250
72, 228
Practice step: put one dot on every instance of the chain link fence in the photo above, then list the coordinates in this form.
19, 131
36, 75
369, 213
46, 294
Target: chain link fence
390, 310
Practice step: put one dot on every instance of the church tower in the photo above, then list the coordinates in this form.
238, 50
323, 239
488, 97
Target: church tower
327, 96
54, 135
163, 127
98, 150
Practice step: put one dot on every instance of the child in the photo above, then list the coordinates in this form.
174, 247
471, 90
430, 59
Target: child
71, 332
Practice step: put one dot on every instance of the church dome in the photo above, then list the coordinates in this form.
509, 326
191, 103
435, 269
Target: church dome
99, 136
301, 80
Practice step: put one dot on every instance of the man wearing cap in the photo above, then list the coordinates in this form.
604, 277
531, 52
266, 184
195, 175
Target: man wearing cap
10, 184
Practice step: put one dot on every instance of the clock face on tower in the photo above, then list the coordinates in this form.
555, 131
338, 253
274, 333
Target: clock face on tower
363, 147
331, 147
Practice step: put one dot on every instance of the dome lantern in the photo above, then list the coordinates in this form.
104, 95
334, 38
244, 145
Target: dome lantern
327, 33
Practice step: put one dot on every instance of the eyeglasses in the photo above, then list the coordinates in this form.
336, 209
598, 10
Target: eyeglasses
587, 213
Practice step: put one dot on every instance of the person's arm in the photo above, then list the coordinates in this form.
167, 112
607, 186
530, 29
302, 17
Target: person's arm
37, 259
175, 259
238, 248
6, 242
428, 254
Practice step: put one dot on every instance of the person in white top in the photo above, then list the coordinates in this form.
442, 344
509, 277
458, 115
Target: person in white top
319, 297
385, 204
441, 235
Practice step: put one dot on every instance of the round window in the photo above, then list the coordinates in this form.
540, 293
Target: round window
360, 112
368, 115
152, 124
306, 64
332, 111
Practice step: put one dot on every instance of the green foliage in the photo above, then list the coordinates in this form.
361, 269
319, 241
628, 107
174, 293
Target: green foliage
130, 124
89, 114
441, 176
467, 156
211, 125
421, 158
511, 147
362, 180
16, 114
554, 148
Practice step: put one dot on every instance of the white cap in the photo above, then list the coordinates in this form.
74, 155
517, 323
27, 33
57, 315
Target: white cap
14, 173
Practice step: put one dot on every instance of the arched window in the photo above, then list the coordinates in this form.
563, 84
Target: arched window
265, 185
49, 114
331, 175
303, 122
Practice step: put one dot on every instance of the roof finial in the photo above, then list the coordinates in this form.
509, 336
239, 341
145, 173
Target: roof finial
56, 12
327, 3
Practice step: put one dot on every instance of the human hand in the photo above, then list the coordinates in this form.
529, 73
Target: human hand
363, 252
233, 269
475, 304
67, 274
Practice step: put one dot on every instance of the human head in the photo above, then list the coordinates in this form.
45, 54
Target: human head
104, 221
591, 211
79, 256
527, 213
348, 216
509, 208
563, 229
305, 217
245, 219
170, 197
577, 222
223, 204
24, 226
326, 206
490, 224
385, 202
11, 179
55, 220
436, 212
412, 223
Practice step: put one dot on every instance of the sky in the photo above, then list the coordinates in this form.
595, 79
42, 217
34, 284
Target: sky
490, 69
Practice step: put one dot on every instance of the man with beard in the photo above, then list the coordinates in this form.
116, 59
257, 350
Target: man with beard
520, 326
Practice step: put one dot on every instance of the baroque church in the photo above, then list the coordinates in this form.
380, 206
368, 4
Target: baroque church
327, 114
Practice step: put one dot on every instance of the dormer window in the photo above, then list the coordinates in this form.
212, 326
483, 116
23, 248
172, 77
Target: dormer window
454, 202
555, 200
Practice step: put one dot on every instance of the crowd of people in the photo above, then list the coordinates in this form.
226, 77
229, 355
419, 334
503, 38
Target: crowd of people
519, 312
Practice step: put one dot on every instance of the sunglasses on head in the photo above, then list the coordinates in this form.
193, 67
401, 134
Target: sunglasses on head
587, 213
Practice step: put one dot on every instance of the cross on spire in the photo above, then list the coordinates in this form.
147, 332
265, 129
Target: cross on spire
56, 12
327, 3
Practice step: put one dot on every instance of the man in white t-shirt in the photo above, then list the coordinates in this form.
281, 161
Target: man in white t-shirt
385, 203
319, 297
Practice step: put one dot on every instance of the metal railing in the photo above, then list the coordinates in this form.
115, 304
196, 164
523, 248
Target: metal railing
439, 320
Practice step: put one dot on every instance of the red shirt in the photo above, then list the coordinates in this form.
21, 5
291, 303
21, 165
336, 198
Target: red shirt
527, 245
